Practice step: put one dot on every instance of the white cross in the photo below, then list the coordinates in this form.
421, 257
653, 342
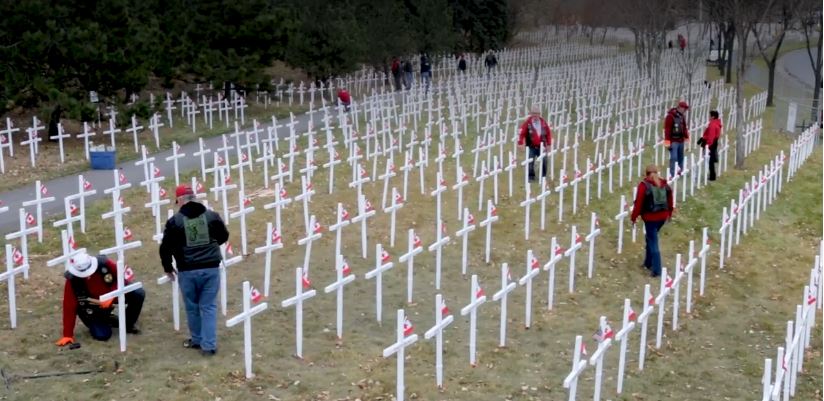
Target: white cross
71, 216
169, 107
84, 189
144, 161
85, 136
334, 159
154, 125
389, 173
122, 288
461, 180
648, 302
343, 278
397, 203
313, 233
660, 300
578, 366
502, 295
623, 335
278, 204
174, 159
623, 212
477, 298
242, 211
225, 251
361, 177
480, 180
297, 300
597, 358
201, 152
306, 197
594, 232
491, 217
68, 252
364, 213
38, 201
533, 268
273, 243
134, 129
8, 277
267, 158
441, 322
175, 294
382, 264
6, 137
526, 204
398, 347
556, 254
246, 318
222, 186
560, 189
32, 141
112, 131
60, 135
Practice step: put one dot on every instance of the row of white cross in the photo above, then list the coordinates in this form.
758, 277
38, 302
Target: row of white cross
796, 341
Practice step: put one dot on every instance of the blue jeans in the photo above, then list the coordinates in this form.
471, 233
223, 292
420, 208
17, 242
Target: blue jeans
199, 288
652, 260
100, 325
676, 155
533, 154
426, 77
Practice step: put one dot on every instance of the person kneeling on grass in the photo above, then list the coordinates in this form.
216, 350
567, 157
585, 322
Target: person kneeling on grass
653, 202
87, 278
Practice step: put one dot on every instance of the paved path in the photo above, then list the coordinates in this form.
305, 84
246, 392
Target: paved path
797, 65
102, 179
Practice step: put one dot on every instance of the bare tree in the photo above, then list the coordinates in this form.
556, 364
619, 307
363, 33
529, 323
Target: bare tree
693, 57
744, 15
649, 22
810, 19
766, 38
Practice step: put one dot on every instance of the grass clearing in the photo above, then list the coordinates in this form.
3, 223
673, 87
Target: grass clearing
713, 355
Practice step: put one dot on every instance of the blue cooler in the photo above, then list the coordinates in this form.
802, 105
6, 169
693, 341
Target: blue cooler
103, 160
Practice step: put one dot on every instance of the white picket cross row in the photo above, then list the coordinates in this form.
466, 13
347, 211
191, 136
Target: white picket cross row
648, 302
297, 301
660, 300
273, 243
38, 201
623, 212
703, 253
8, 276
409, 258
502, 295
246, 318
383, 264
441, 322
578, 366
533, 268
364, 213
403, 341
477, 298
343, 278
556, 254
23, 235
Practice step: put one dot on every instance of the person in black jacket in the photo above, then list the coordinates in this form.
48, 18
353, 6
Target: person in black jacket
193, 237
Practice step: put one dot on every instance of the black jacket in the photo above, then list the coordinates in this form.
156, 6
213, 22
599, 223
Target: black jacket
197, 257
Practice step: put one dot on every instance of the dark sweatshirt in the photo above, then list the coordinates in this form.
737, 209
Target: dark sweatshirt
187, 257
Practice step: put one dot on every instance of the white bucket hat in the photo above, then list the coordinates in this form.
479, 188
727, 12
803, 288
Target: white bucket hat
82, 265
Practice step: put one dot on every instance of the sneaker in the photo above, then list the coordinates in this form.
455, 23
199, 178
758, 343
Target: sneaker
210, 352
189, 344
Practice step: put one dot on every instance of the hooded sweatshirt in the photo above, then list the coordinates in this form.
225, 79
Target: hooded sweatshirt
189, 254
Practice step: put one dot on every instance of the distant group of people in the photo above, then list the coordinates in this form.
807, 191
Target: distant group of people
403, 74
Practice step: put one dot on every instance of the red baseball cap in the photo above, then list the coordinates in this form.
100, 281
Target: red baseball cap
683, 104
183, 190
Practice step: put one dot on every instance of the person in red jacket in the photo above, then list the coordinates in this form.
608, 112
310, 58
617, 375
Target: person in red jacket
653, 202
87, 279
533, 133
345, 98
710, 141
675, 133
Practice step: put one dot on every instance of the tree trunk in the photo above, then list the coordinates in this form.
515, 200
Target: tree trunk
604, 35
54, 120
739, 103
814, 114
770, 82
227, 90
729, 42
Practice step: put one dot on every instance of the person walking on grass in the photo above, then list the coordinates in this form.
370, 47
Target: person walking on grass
533, 133
710, 141
653, 202
193, 237
675, 133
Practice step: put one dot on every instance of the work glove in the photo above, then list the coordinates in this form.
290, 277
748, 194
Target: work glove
64, 341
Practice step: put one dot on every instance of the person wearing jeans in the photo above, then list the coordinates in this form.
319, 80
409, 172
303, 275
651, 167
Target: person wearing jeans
653, 202
533, 133
676, 131
199, 288
192, 238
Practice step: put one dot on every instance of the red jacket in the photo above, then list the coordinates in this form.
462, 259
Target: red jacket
712, 132
344, 97
524, 130
95, 286
640, 192
668, 122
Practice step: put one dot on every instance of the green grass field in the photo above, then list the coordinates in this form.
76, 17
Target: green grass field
717, 353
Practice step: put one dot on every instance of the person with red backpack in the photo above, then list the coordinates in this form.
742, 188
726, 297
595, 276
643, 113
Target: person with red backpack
534, 132
653, 202
396, 73
676, 132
